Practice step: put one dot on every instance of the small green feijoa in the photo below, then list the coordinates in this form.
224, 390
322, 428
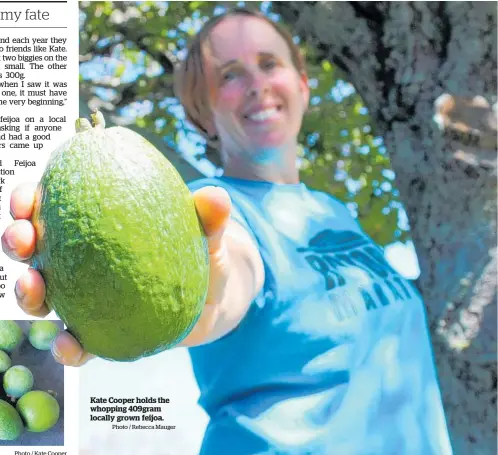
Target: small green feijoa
10, 335
11, 425
17, 380
39, 410
42, 334
5, 362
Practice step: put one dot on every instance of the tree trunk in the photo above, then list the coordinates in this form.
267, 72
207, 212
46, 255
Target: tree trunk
401, 57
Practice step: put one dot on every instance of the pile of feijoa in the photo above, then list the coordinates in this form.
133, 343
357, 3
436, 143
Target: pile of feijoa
24, 408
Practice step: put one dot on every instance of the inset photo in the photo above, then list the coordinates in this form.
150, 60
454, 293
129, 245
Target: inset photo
32, 384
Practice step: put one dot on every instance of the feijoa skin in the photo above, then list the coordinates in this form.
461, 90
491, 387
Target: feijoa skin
11, 425
39, 410
10, 335
119, 244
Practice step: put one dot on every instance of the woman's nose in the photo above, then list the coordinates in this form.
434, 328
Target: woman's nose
257, 86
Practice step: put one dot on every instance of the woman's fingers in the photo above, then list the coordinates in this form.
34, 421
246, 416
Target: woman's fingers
30, 293
22, 200
68, 351
213, 206
18, 240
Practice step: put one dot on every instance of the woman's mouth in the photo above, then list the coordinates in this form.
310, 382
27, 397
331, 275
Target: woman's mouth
264, 114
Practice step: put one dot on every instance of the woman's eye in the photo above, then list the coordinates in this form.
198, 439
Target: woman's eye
228, 76
268, 64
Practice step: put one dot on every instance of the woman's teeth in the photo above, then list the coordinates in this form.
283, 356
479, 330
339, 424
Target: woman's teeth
263, 115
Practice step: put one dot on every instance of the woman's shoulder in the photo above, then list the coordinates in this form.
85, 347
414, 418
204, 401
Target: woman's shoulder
327, 198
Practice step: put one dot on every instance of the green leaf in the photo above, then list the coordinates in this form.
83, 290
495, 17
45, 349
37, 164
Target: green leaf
326, 66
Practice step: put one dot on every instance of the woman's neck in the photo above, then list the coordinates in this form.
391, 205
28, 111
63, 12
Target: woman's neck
280, 168
251, 171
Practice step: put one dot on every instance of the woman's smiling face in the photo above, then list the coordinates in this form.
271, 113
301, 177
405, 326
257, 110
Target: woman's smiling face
258, 97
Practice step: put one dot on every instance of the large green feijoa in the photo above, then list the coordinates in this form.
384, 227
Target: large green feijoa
11, 425
10, 335
39, 410
119, 244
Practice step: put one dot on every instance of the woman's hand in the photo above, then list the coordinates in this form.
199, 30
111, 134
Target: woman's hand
19, 240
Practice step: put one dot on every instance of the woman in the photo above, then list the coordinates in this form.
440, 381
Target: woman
309, 343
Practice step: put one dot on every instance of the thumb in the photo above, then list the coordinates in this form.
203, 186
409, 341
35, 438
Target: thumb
213, 207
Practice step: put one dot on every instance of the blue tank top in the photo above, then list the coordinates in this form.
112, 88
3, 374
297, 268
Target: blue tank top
334, 355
